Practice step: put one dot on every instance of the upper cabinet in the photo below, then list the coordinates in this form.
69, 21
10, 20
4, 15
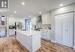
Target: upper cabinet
46, 19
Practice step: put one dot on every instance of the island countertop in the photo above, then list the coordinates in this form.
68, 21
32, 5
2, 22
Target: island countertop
28, 33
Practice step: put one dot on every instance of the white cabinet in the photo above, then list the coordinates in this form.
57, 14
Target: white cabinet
46, 34
68, 29
46, 19
29, 39
2, 32
64, 29
11, 32
58, 29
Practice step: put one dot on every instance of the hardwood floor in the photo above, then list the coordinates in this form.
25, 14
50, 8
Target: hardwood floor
53, 47
12, 45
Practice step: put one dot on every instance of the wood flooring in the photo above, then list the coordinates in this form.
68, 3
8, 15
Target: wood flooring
53, 47
10, 44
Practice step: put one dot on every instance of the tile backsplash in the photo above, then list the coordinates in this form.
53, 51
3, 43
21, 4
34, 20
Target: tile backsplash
42, 26
46, 26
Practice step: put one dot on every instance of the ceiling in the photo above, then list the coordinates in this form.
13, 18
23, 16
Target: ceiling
33, 7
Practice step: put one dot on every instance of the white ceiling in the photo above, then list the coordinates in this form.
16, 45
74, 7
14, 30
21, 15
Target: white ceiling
33, 7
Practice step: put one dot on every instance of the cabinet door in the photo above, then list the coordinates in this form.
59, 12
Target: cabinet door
64, 29
58, 29
44, 35
46, 19
68, 29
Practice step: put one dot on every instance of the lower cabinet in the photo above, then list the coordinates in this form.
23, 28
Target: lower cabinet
3, 33
11, 32
46, 35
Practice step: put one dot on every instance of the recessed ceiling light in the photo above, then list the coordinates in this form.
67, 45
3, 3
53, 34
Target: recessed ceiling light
22, 3
61, 5
40, 12
15, 12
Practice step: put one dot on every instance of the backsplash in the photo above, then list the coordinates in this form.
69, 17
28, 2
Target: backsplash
42, 26
46, 26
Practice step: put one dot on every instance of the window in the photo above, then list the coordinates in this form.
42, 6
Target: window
27, 24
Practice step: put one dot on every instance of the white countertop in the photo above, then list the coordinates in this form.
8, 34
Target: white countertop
28, 33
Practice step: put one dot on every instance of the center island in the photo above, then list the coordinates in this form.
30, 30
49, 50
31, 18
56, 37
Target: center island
29, 39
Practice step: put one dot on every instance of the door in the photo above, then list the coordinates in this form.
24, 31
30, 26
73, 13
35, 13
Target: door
58, 29
68, 29
64, 29
27, 24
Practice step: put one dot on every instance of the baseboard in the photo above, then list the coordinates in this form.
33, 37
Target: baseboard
46, 40
49, 40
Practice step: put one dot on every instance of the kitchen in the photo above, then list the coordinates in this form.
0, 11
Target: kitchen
37, 26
